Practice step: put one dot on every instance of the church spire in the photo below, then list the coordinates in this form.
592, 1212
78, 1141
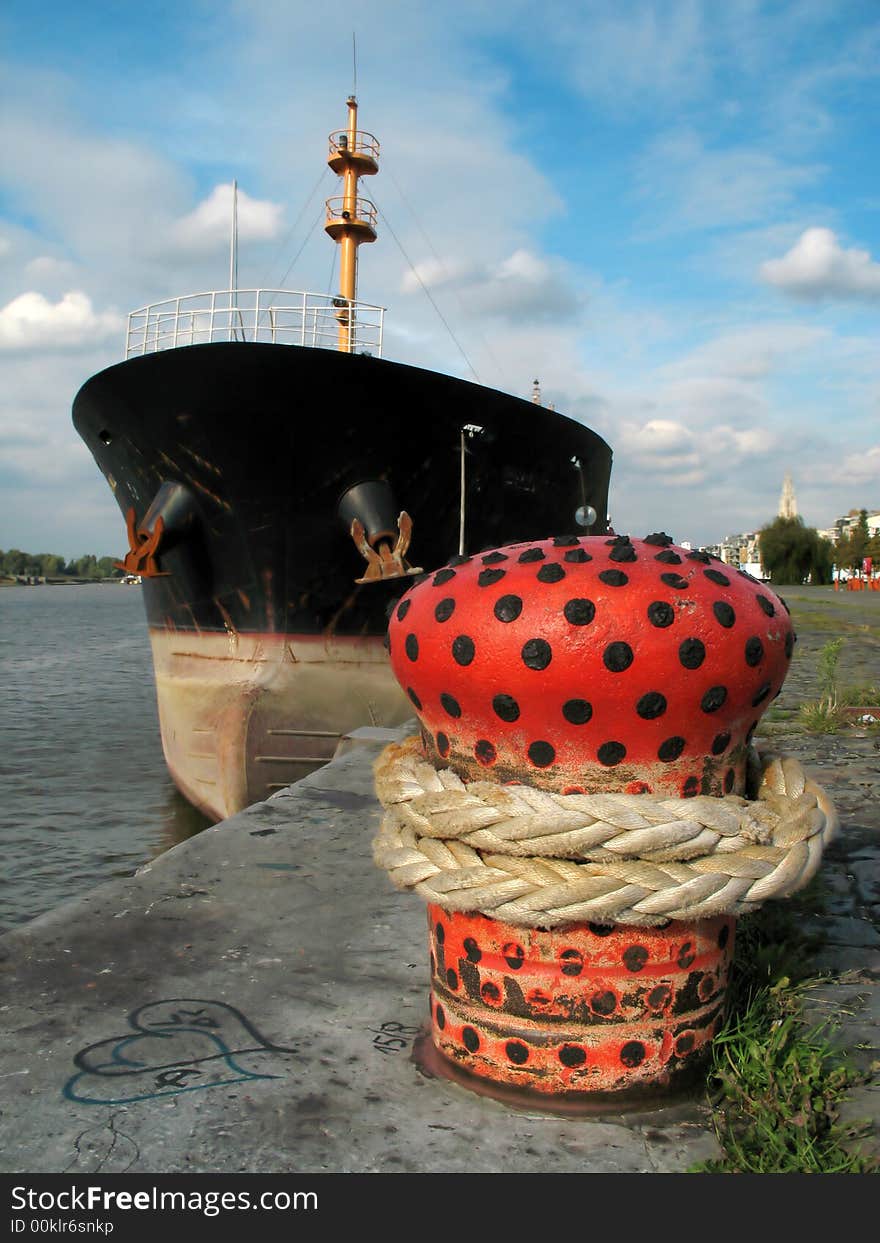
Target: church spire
788, 500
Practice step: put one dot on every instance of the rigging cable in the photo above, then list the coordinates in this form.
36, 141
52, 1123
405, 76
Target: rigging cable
427, 292
282, 246
306, 241
427, 240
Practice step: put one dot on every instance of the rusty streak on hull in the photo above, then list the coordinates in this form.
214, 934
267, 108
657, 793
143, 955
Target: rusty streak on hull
242, 716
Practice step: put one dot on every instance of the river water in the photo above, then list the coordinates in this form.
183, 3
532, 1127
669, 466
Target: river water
84, 792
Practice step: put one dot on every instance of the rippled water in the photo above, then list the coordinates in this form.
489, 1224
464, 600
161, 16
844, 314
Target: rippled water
84, 792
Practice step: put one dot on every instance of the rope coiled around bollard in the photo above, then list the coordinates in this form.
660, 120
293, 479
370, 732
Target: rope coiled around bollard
540, 859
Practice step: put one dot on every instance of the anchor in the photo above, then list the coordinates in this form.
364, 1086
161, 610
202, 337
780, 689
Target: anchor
385, 560
143, 546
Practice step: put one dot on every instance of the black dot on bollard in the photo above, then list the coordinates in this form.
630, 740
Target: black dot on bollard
603, 1003
651, 705
485, 752
690, 788
728, 781
541, 754
691, 653
508, 608
505, 707
572, 1055
403, 609
514, 955
463, 649
668, 557
659, 997
516, 1052
577, 711
617, 657
686, 955
413, 697
553, 573
440, 1016
536, 654
767, 605
714, 698
750, 735
661, 614
493, 558
579, 612
754, 651
450, 706
411, 647
601, 930
473, 951
720, 743
614, 578
443, 576
487, 578
623, 552
489, 991
674, 580
715, 576
635, 957
790, 640
724, 936
442, 744
452, 978
470, 1039
761, 694
564, 541
670, 749
572, 962
684, 1043
444, 609
632, 1054
531, 554
611, 753
724, 614
440, 933
659, 537
577, 556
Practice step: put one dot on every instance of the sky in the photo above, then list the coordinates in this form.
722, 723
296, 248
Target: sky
666, 211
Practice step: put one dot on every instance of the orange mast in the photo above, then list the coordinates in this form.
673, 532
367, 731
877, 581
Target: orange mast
351, 220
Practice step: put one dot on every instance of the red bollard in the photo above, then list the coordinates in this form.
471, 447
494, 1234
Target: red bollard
592, 664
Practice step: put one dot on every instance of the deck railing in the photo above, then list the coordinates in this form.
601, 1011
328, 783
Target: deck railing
279, 316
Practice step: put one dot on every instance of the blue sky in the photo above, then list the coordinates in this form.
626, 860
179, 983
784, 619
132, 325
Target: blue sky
666, 210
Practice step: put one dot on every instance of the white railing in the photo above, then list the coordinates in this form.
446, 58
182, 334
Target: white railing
279, 316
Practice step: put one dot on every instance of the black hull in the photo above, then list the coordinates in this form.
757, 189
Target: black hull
250, 448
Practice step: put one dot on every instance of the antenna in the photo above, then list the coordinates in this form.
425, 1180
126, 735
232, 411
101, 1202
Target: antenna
354, 63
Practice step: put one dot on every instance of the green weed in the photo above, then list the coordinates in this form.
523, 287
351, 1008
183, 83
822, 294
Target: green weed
775, 1086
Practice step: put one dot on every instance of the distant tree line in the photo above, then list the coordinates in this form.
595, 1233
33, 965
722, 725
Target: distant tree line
18, 564
792, 552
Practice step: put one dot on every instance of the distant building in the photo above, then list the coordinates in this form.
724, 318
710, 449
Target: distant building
788, 500
740, 551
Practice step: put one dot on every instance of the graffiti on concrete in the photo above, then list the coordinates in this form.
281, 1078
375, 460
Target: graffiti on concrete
182, 1044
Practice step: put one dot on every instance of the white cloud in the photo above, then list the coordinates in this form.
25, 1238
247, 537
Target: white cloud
31, 320
861, 468
817, 266
521, 285
46, 268
209, 225
687, 184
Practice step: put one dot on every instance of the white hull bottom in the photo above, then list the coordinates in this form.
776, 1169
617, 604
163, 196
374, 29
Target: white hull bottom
242, 716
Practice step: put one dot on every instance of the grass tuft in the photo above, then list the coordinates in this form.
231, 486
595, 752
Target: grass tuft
776, 1086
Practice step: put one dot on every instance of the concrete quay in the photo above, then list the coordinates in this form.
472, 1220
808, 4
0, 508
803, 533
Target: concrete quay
252, 1002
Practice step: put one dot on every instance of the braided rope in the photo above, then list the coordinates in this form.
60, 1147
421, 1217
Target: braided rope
535, 858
